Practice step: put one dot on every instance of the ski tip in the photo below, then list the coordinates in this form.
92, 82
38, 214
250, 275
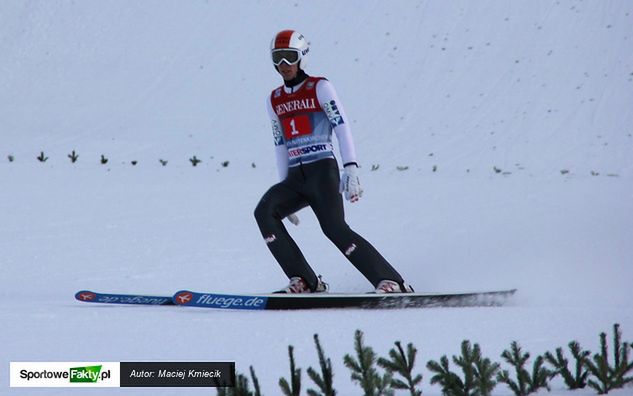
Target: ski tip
85, 295
183, 297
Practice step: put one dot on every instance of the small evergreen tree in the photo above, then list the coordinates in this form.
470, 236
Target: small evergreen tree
241, 388
604, 376
364, 371
479, 373
258, 391
525, 382
73, 156
195, 161
450, 382
294, 387
402, 364
485, 374
577, 380
324, 380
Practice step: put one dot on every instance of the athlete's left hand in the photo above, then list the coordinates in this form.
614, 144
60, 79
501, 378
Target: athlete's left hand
350, 184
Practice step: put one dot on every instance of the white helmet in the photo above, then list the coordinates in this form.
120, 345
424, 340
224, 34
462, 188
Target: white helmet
290, 47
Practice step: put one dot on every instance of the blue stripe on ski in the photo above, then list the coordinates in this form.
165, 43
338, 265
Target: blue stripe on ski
222, 301
134, 299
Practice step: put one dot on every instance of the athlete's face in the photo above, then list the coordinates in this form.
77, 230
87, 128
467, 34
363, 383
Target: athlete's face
288, 72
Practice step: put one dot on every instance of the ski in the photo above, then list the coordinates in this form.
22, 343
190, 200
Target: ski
109, 298
332, 300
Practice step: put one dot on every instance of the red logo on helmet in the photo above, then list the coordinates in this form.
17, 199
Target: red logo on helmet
183, 298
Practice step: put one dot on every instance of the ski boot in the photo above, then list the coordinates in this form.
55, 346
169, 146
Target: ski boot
389, 286
299, 285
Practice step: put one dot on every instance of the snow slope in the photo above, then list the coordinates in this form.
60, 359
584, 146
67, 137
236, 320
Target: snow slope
540, 91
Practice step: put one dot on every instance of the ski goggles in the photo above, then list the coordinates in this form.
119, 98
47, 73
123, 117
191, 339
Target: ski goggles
290, 56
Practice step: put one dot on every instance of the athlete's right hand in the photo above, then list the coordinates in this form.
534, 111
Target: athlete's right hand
294, 219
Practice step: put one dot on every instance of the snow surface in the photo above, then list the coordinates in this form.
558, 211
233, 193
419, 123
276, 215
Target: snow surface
541, 91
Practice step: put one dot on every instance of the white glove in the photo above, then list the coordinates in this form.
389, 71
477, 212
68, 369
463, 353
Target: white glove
350, 184
294, 219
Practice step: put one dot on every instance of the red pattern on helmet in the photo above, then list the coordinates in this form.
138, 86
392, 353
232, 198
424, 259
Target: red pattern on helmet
282, 40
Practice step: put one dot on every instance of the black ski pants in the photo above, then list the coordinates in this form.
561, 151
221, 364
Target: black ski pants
316, 185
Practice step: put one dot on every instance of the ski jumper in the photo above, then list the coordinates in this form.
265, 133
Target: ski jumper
303, 119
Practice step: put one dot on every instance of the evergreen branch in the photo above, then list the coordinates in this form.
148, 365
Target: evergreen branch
195, 160
607, 377
402, 364
73, 156
581, 358
450, 382
363, 370
485, 374
294, 387
241, 388
526, 382
504, 377
561, 366
255, 382
540, 376
325, 380
466, 362
599, 368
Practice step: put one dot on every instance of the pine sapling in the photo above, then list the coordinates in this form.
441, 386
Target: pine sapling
466, 363
622, 364
294, 387
258, 391
450, 382
577, 380
485, 374
526, 382
241, 388
599, 369
195, 161
402, 364
479, 373
324, 380
364, 371
73, 156
604, 377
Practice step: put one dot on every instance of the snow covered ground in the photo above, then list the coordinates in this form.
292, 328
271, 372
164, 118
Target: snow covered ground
540, 91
